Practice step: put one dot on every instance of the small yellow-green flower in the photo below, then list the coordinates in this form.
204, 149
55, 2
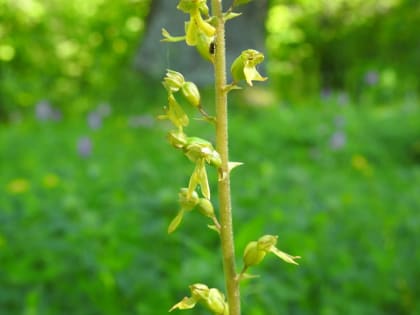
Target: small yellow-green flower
244, 67
199, 178
255, 251
197, 148
211, 298
196, 25
187, 200
18, 186
50, 181
175, 113
173, 81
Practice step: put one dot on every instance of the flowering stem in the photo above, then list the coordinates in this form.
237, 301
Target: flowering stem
226, 232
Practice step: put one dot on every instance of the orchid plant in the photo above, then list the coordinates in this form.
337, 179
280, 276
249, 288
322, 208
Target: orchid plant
206, 32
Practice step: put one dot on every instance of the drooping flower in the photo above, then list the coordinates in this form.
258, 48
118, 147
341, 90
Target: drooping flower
211, 298
175, 113
244, 67
255, 252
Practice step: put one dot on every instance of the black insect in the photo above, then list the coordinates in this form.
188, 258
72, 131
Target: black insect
212, 48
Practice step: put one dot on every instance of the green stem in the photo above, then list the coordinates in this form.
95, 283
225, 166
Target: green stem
226, 232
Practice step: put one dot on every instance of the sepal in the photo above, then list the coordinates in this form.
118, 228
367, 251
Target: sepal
186, 303
230, 15
199, 178
169, 38
176, 221
175, 113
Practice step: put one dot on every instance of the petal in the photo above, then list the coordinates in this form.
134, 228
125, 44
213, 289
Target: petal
284, 256
175, 222
185, 304
251, 74
203, 180
176, 114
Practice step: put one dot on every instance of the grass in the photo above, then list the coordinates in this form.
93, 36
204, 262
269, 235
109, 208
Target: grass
87, 235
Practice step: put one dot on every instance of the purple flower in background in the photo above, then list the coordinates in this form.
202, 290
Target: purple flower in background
43, 110
325, 93
339, 121
146, 121
343, 99
94, 120
84, 146
104, 110
338, 140
56, 115
371, 77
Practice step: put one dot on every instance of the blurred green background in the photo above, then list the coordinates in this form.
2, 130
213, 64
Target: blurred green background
331, 146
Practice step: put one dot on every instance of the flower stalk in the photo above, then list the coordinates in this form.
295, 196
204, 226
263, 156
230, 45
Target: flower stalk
207, 34
222, 145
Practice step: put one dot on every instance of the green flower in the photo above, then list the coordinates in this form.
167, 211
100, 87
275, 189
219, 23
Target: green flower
197, 148
199, 178
211, 298
175, 113
173, 81
187, 200
196, 25
255, 252
244, 67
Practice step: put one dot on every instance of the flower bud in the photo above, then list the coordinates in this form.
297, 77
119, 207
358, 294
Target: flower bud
199, 291
266, 242
205, 207
188, 6
216, 302
252, 255
173, 81
204, 9
186, 200
191, 93
177, 139
197, 148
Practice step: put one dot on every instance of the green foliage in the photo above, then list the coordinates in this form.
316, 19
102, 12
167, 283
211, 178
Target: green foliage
65, 51
317, 45
84, 235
